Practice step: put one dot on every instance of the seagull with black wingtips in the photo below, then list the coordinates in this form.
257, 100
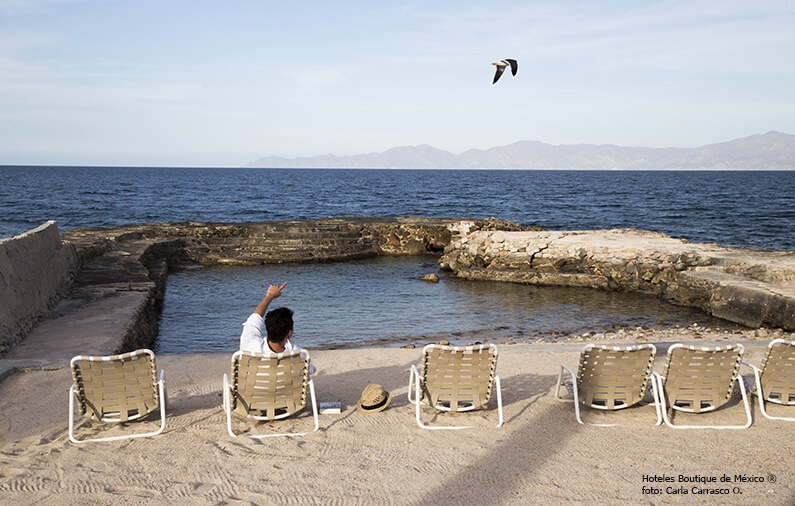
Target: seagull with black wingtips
501, 68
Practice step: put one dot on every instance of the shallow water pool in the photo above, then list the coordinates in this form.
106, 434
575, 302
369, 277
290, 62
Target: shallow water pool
382, 302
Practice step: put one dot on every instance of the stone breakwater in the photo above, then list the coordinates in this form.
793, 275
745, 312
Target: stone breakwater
123, 270
751, 287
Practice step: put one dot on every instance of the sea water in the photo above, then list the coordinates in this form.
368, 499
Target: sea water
382, 302
752, 209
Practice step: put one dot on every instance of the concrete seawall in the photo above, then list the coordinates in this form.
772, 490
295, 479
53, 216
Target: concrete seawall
36, 269
120, 283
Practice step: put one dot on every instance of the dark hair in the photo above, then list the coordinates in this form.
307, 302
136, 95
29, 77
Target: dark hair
278, 323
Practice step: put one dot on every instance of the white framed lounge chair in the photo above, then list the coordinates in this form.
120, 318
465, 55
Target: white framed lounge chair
269, 387
116, 389
610, 378
699, 380
455, 379
774, 379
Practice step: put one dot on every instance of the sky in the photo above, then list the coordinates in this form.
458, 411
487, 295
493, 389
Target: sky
222, 83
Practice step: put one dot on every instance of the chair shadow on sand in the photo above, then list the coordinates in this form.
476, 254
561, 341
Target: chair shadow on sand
345, 387
522, 390
526, 390
342, 387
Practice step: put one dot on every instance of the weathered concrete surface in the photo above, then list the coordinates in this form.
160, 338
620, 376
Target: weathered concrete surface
322, 240
750, 287
35, 271
93, 327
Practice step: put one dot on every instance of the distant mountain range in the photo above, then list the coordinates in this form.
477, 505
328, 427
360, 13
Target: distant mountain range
770, 151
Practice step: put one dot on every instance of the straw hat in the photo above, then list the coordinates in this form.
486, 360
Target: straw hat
374, 399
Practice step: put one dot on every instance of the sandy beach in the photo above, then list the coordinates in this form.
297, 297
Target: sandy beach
540, 456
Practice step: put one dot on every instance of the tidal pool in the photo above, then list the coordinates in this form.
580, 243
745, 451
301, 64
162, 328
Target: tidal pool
381, 301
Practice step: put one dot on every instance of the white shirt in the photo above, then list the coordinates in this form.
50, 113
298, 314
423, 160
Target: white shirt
253, 339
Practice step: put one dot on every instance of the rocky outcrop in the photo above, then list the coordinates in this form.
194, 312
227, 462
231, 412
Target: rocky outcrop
750, 287
324, 240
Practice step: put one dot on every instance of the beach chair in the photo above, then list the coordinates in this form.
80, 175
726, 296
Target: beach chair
774, 379
269, 387
455, 379
116, 389
700, 380
610, 378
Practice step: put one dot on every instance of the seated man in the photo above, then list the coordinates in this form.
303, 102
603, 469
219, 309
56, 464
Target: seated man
276, 324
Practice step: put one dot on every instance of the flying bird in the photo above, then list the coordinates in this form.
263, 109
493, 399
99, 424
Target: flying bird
501, 68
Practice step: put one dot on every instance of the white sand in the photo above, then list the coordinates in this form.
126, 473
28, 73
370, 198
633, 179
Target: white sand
540, 456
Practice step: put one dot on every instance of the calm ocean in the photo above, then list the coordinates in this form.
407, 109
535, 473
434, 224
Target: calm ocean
743, 209
752, 209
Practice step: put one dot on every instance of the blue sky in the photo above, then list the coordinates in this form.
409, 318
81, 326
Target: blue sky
201, 83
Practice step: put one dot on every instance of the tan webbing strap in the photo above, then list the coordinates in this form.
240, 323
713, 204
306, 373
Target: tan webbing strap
614, 377
778, 373
459, 377
271, 386
701, 379
117, 388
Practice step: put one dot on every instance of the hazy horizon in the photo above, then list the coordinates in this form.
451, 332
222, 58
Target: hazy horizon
252, 164
108, 83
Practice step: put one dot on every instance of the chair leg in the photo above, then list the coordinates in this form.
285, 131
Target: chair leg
162, 390
499, 398
411, 384
745, 403
771, 417
72, 415
314, 404
656, 394
228, 406
563, 369
663, 406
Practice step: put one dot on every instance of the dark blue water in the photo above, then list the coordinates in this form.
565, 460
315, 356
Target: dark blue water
743, 209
